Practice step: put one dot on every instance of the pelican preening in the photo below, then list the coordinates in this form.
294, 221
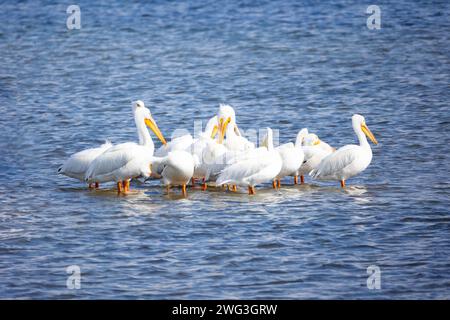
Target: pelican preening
219, 154
78, 163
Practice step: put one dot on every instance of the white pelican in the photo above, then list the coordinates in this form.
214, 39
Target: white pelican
314, 150
229, 129
198, 147
182, 143
193, 146
349, 160
263, 165
176, 168
127, 160
78, 163
292, 157
219, 155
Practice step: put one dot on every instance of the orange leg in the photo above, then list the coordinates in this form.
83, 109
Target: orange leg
295, 180
119, 187
183, 188
279, 184
302, 179
251, 190
274, 184
97, 185
204, 185
125, 186
234, 188
342, 183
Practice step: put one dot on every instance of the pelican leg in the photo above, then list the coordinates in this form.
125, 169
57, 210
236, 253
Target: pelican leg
119, 187
234, 188
183, 189
279, 183
90, 186
295, 179
274, 184
204, 186
193, 182
302, 179
126, 185
342, 183
168, 188
251, 190
97, 185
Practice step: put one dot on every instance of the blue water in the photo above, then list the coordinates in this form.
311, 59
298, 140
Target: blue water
284, 64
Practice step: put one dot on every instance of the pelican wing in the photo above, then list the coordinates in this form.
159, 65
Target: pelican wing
79, 162
114, 159
182, 143
336, 161
244, 169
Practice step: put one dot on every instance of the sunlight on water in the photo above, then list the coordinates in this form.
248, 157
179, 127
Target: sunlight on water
283, 64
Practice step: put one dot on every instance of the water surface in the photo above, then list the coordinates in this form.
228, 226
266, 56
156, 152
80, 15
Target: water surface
283, 64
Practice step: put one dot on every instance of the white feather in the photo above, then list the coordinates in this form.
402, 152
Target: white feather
78, 163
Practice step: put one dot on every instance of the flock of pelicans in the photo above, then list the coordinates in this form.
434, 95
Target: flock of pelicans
220, 156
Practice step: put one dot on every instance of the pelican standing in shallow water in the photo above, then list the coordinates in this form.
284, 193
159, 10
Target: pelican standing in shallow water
176, 169
198, 147
261, 165
292, 157
78, 163
315, 150
349, 160
125, 161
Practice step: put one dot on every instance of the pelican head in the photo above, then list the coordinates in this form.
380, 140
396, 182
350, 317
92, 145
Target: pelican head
212, 127
225, 116
311, 139
359, 124
268, 139
299, 140
143, 114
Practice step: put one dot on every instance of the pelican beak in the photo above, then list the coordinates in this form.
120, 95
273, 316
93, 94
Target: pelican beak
152, 125
236, 129
223, 128
316, 142
214, 132
368, 133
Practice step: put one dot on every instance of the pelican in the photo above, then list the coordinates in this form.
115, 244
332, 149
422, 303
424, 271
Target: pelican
292, 157
78, 163
183, 143
229, 129
127, 160
349, 160
176, 169
261, 165
198, 147
226, 151
314, 150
